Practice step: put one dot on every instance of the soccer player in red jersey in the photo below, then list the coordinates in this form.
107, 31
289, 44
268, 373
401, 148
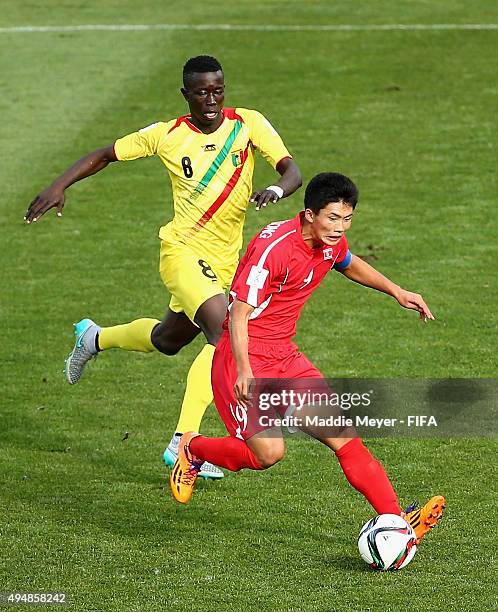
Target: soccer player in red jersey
281, 268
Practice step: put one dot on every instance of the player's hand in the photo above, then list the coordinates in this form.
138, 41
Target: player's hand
53, 197
243, 388
263, 198
414, 301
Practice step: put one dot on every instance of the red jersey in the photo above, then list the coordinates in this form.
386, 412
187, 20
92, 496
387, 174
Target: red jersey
277, 275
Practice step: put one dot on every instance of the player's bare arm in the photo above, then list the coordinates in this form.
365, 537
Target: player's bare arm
54, 197
290, 181
239, 339
363, 273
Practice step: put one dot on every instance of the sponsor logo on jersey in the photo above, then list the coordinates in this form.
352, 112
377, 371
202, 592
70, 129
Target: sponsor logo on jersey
210, 147
271, 228
307, 280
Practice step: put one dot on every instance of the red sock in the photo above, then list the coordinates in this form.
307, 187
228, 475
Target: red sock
368, 477
230, 453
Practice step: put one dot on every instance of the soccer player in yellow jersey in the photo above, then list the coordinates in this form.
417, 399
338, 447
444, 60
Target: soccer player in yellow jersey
209, 155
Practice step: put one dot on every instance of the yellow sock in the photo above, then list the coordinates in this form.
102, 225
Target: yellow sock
134, 336
198, 394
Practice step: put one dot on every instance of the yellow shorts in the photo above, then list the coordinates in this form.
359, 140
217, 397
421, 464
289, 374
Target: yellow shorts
191, 279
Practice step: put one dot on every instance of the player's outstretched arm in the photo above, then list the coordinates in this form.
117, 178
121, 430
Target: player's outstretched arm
290, 180
239, 339
363, 273
53, 196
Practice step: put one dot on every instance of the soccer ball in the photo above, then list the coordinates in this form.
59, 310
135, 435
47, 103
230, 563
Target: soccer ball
387, 542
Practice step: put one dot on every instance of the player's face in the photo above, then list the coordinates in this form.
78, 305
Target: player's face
330, 224
205, 93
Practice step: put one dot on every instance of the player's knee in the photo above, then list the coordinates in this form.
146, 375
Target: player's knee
164, 344
213, 336
270, 456
210, 316
211, 328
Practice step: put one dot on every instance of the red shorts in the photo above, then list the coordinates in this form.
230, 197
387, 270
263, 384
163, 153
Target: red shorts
274, 365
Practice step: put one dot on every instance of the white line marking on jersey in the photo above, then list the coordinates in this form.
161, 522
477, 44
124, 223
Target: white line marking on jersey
284, 281
257, 311
252, 297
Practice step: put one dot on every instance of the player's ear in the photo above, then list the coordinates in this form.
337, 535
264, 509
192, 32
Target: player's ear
309, 215
184, 93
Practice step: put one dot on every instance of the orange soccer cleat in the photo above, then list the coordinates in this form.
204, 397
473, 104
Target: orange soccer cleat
424, 519
185, 471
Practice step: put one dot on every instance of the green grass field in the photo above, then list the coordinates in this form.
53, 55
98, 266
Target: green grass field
410, 115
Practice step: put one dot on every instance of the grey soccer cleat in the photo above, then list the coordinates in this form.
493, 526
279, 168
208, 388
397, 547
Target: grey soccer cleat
84, 349
208, 470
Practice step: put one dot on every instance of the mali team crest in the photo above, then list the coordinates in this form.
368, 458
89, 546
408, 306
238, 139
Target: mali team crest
237, 158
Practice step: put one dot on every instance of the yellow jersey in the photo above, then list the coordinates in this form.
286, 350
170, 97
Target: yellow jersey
211, 175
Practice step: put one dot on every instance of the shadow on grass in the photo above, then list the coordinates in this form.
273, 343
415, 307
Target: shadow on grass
347, 562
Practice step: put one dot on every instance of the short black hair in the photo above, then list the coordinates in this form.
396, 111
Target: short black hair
330, 187
201, 63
